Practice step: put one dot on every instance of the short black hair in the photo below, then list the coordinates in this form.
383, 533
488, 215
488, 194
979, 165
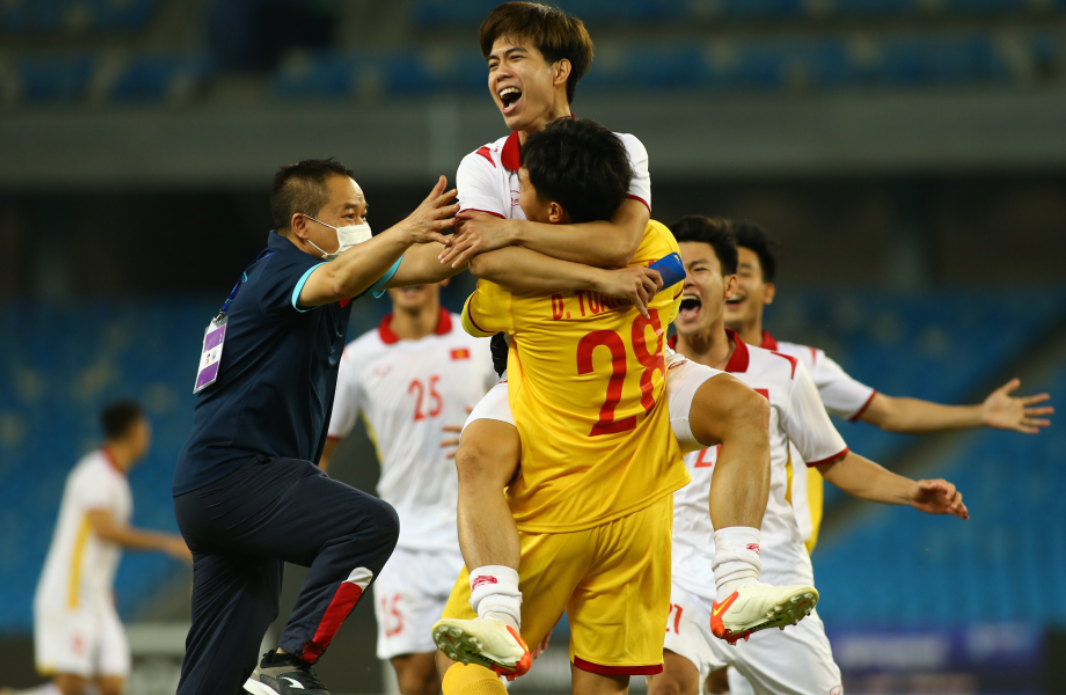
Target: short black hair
716, 231
556, 34
118, 418
301, 187
581, 165
752, 236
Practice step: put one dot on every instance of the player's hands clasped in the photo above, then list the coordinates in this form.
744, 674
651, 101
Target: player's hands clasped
434, 215
938, 497
478, 232
636, 284
1006, 412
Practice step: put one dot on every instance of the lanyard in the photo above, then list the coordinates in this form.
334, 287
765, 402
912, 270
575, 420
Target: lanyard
265, 253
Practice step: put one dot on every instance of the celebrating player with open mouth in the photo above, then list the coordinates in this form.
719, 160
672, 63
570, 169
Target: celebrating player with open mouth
847, 397
535, 57
798, 661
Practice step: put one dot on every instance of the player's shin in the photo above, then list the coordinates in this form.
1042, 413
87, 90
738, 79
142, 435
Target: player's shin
471, 679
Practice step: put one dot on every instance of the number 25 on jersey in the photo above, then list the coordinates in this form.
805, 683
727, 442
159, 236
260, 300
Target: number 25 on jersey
433, 401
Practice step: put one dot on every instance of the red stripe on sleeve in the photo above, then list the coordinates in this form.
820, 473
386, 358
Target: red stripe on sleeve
860, 411
637, 197
831, 459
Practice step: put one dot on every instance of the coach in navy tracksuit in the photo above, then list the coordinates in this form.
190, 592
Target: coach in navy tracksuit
247, 494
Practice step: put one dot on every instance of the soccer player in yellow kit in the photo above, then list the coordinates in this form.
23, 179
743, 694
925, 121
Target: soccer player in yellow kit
598, 458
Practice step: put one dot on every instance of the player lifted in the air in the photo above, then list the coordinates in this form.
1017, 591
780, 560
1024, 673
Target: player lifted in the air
77, 634
413, 374
535, 57
592, 498
587, 375
797, 661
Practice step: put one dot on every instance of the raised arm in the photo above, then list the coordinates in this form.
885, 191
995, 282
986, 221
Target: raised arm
999, 410
355, 270
603, 244
522, 270
110, 529
862, 478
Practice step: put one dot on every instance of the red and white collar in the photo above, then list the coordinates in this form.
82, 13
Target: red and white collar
110, 458
768, 341
511, 154
444, 327
738, 361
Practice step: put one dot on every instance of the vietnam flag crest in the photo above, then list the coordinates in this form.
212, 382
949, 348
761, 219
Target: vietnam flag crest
460, 354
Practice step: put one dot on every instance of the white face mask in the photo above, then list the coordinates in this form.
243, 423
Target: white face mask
347, 237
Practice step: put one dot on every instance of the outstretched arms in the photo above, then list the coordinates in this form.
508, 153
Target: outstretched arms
999, 410
862, 478
355, 270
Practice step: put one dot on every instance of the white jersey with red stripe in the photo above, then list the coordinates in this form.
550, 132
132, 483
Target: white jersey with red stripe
79, 571
797, 417
487, 179
843, 396
406, 391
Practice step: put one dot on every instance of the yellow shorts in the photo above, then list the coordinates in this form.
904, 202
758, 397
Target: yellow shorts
613, 581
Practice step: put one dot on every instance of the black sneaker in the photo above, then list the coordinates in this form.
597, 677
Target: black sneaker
284, 674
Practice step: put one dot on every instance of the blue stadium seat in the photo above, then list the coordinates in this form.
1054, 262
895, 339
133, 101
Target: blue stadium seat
325, 75
58, 77
155, 77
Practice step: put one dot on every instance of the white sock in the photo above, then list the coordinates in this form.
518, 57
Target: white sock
494, 594
736, 559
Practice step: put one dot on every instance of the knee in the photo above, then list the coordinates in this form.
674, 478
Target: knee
664, 683
419, 678
111, 685
388, 523
479, 465
69, 684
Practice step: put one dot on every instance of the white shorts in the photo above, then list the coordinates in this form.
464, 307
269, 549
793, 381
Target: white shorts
409, 596
683, 378
688, 631
82, 642
494, 405
795, 661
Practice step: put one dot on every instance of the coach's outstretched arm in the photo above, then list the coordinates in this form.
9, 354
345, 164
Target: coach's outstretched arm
606, 244
355, 270
862, 478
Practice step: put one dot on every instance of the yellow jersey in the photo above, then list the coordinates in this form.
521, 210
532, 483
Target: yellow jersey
587, 382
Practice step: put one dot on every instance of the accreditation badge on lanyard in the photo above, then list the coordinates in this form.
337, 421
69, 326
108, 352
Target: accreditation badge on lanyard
215, 335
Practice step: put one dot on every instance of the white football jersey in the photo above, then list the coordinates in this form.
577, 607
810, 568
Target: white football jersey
79, 572
797, 417
406, 391
487, 179
843, 396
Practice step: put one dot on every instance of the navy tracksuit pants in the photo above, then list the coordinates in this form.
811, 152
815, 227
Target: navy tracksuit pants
241, 530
